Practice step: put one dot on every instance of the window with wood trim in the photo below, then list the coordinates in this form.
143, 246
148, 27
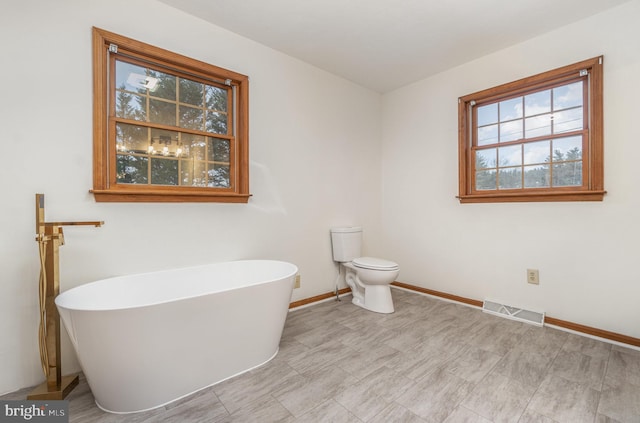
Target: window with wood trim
167, 128
536, 139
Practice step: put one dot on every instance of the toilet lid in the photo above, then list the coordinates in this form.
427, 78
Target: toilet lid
374, 263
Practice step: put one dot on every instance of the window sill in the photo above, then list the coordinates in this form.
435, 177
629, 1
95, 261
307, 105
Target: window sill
533, 197
144, 196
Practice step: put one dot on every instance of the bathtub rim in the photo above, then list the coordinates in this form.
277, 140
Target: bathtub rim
61, 299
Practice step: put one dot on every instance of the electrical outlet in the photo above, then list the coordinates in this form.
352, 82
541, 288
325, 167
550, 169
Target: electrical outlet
297, 284
533, 276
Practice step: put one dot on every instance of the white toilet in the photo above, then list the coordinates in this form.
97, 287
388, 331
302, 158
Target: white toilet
368, 277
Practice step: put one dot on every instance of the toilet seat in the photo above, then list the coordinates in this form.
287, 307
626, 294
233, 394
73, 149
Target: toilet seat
373, 263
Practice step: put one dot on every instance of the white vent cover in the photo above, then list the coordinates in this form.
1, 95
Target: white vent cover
513, 313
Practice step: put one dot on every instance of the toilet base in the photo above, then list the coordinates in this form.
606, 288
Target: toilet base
377, 298
375, 295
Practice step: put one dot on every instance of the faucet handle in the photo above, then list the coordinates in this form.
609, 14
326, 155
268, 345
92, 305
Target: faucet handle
60, 235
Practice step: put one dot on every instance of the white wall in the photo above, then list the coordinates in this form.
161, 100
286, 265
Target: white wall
587, 253
314, 142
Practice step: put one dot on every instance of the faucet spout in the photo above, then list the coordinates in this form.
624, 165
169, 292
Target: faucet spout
95, 223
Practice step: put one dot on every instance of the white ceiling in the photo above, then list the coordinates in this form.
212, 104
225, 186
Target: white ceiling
386, 44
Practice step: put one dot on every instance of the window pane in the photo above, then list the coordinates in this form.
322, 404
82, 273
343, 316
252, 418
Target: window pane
191, 118
193, 173
162, 112
570, 148
216, 98
488, 135
486, 158
487, 114
131, 169
163, 142
510, 156
511, 131
511, 109
218, 150
131, 138
191, 92
198, 151
537, 126
510, 178
219, 175
164, 171
536, 176
567, 174
537, 103
193, 146
166, 86
567, 120
131, 106
485, 179
217, 122
537, 152
567, 96
130, 77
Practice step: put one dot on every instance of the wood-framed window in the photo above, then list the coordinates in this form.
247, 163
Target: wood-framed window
167, 128
536, 139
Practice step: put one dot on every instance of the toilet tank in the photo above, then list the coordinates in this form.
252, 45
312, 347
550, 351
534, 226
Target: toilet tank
346, 243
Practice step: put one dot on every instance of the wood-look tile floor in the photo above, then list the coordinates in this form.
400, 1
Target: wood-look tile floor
430, 361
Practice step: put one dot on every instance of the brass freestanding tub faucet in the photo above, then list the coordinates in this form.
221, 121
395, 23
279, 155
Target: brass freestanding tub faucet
50, 237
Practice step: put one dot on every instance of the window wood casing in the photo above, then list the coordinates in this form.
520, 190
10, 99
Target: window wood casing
109, 185
591, 185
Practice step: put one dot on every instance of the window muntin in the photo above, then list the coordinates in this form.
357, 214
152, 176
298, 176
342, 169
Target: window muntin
166, 127
538, 139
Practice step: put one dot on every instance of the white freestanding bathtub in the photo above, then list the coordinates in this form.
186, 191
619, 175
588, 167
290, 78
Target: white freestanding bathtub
146, 340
